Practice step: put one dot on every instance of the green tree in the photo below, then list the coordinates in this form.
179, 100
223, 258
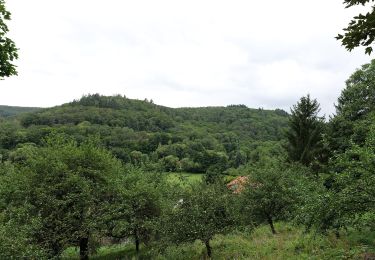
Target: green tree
138, 158
358, 98
272, 193
138, 208
67, 190
354, 182
214, 160
353, 110
360, 31
349, 201
16, 224
9, 136
171, 163
188, 165
305, 131
8, 49
202, 212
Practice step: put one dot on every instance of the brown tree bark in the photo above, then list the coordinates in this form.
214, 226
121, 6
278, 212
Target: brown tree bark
137, 241
208, 247
270, 222
84, 248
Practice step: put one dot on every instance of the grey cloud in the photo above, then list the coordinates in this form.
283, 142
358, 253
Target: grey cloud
180, 53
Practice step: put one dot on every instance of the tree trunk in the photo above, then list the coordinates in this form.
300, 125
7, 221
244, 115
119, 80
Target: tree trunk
56, 249
137, 242
208, 247
84, 248
270, 222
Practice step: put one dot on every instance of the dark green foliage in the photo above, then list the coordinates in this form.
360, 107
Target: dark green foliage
360, 31
8, 49
305, 132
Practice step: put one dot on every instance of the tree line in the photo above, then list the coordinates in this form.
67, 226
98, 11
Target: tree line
193, 140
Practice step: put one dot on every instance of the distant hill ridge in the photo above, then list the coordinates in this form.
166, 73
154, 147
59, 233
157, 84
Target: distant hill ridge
119, 111
194, 140
7, 111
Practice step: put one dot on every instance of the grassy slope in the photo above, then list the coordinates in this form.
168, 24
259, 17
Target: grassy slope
289, 243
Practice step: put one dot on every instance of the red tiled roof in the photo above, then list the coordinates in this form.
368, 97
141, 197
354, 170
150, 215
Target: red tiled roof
237, 185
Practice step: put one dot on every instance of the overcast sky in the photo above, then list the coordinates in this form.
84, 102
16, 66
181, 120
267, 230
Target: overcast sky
180, 53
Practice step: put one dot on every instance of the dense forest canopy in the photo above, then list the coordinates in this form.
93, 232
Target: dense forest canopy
143, 133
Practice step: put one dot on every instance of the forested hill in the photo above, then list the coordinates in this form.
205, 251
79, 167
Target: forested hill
6, 111
141, 132
117, 111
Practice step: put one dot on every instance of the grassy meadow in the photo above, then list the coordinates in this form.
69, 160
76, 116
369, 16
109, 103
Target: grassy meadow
290, 242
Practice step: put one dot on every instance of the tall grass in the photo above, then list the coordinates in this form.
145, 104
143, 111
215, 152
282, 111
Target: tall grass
289, 243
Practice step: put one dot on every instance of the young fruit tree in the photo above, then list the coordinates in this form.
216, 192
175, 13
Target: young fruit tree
202, 212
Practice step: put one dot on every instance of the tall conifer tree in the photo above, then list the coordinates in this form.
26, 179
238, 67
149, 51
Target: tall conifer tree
305, 132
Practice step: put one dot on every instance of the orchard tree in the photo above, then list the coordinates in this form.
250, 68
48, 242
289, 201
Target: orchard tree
8, 49
16, 224
305, 131
201, 213
66, 192
360, 31
138, 207
272, 193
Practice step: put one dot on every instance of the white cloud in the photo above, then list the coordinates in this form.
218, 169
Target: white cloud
180, 53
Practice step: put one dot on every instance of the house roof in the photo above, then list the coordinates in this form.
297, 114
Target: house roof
238, 184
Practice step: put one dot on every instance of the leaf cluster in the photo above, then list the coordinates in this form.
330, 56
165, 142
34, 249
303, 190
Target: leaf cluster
361, 30
8, 49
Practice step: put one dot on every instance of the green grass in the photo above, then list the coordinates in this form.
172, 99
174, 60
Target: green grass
289, 243
184, 177
190, 178
121, 251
